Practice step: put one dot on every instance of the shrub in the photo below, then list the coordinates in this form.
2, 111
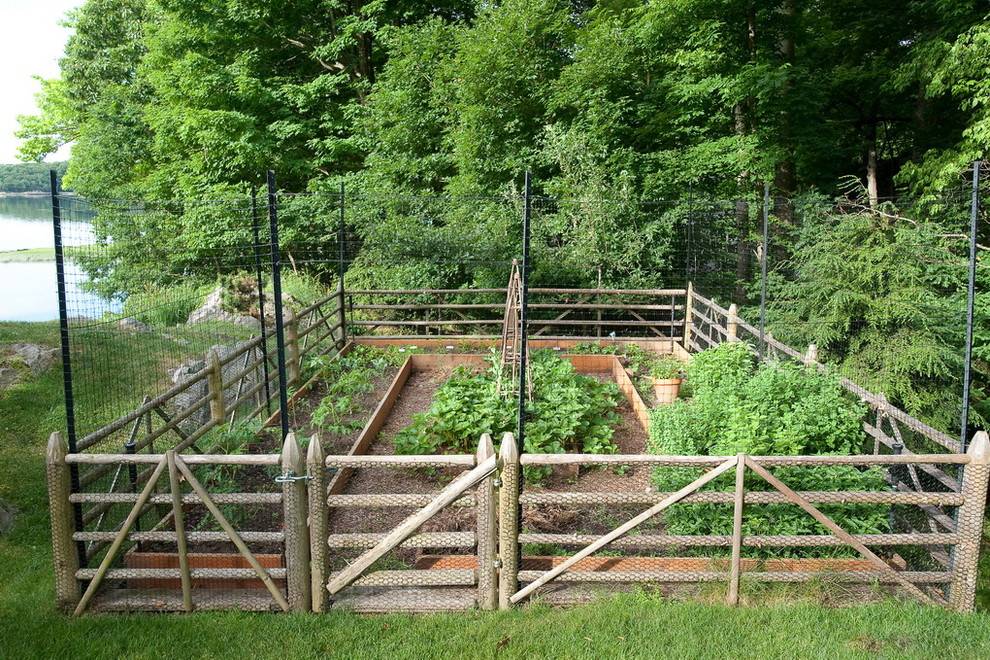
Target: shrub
773, 409
164, 305
569, 412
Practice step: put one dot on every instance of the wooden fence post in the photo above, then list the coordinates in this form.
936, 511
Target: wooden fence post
64, 554
487, 538
291, 346
732, 322
688, 313
811, 355
735, 569
969, 524
214, 381
508, 521
297, 578
318, 521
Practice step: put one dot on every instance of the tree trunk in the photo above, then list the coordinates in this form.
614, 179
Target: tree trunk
784, 177
872, 188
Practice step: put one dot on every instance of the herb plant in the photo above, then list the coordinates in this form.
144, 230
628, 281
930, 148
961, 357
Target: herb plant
773, 409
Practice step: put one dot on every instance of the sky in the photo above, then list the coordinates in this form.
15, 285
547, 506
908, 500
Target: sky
31, 42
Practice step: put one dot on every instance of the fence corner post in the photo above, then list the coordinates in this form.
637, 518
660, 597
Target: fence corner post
64, 554
487, 538
297, 578
732, 322
292, 359
214, 381
318, 521
508, 521
969, 524
688, 313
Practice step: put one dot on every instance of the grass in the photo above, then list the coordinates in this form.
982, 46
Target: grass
29, 254
633, 625
36, 254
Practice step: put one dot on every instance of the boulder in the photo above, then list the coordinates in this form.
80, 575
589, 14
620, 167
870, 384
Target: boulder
34, 357
212, 310
132, 325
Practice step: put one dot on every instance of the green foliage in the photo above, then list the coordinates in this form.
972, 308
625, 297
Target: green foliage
28, 177
881, 296
569, 412
165, 305
347, 378
773, 409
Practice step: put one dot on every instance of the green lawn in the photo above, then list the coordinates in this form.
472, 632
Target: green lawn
629, 626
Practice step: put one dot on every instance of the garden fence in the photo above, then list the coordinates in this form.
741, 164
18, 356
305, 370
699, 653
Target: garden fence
191, 327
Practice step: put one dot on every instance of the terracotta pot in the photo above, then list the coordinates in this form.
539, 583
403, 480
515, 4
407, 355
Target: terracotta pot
666, 389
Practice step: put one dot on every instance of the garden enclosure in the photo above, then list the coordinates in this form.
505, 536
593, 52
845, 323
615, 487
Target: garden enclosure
181, 487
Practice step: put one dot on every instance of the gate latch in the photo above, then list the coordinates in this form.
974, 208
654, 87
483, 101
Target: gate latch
291, 477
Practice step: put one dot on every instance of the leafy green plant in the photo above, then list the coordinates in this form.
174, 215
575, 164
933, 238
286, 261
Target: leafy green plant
348, 377
773, 409
569, 412
666, 367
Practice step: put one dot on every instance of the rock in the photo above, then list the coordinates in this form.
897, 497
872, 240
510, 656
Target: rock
212, 310
33, 356
132, 325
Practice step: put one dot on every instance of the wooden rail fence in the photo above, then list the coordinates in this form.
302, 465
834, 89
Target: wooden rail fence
492, 576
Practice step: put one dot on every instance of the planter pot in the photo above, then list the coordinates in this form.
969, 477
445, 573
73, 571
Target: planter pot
666, 389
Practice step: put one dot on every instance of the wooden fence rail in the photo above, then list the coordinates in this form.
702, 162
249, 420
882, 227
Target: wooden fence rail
491, 483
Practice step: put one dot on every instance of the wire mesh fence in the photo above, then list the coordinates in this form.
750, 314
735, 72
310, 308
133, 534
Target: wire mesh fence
153, 287
198, 325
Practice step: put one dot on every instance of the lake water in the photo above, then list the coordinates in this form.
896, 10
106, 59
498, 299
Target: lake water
28, 289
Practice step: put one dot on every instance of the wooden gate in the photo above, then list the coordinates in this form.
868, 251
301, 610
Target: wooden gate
358, 585
951, 587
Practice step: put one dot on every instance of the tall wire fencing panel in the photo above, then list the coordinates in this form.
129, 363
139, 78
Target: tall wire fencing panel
169, 328
157, 295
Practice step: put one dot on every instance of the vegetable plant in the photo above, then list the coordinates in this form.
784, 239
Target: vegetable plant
568, 412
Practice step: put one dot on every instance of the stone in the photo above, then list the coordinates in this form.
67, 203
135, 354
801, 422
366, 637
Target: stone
212, 310
132, 325
35, 357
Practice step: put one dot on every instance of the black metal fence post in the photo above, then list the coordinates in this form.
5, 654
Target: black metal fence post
261, 299
63, 332
970, 294
764, 256
283, 395
340, 270
524, 314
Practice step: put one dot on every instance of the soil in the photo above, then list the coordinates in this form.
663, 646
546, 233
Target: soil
259, 479
416, 396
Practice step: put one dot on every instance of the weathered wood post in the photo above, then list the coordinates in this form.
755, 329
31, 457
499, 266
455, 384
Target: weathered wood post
318, 522
508, 521
214, 381
487, 538
297, 578
292, 359
732, 322
64, 554
969, 524
811, 355
688, 313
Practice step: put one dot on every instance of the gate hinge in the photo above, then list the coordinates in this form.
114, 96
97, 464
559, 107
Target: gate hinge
291, 477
